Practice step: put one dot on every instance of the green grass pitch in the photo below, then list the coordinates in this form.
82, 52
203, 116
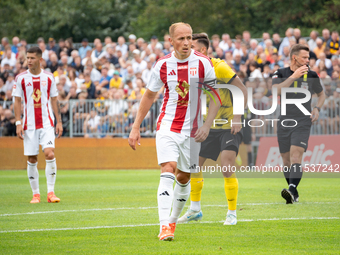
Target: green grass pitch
115, 212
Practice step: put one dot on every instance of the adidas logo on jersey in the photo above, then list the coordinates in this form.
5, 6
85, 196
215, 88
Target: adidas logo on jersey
29, 84
172, 72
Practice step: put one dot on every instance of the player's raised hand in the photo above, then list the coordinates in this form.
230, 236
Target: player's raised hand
300, 71
59, 129
202, 133
20, 132
315, 115
134, 137
236, 127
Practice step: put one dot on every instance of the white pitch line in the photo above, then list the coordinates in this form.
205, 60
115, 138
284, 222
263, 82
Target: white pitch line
156, 224
147, 208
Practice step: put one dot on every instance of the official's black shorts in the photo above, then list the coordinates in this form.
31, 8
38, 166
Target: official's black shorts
247, 134
297, 135
220, 140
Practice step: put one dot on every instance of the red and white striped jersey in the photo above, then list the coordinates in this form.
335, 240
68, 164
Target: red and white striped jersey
180, 111
36, 91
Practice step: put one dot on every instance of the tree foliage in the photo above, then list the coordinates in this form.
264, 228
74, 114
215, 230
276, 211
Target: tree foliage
31, 19
63, 18
233, 17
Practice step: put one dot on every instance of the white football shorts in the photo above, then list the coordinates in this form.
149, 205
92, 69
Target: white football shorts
33, 138
179, 148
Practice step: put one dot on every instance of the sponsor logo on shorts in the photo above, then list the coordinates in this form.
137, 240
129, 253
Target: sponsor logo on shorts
229, 141
49, 143
303, 143
181, 200
193, 166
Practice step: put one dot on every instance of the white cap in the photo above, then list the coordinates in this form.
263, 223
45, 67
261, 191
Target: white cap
136, 52
132, 36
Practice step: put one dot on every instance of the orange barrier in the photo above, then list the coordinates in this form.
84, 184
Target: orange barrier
90, 153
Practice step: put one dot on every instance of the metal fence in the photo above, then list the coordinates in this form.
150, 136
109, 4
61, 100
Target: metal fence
101, 118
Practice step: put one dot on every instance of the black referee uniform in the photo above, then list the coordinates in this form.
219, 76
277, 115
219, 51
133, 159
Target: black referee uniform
299, 134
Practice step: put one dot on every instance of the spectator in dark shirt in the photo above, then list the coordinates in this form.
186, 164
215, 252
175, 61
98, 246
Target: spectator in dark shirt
77, 65
9, 123
276, 41
91, 89
51, 45
52, 64
333, 43
62, 46
297, 34
111, 55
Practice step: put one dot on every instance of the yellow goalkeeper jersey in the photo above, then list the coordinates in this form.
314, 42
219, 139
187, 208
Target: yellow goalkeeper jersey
224, 75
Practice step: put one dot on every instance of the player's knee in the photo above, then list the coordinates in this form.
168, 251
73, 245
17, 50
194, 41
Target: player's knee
295, 157
32, 159
167, 168
182, 177
49, 155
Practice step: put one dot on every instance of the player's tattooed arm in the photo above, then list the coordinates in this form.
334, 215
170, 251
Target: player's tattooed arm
59, 113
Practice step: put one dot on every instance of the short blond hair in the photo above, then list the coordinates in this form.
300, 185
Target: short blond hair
173, 27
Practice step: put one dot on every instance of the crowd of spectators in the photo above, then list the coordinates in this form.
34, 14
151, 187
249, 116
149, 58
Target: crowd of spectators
114, 74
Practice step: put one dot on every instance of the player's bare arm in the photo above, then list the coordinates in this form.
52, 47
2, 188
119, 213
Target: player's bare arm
56, 111
17, 112
144, 106
236, 127
315, 113
203, 132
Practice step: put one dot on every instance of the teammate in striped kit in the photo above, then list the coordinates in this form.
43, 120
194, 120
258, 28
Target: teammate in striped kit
180, 128
38, 89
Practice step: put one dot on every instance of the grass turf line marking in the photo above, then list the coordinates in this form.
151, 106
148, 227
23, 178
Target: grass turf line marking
147, 208
156, 224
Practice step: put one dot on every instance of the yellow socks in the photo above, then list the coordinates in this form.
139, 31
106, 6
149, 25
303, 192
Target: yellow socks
231, 191
196, 189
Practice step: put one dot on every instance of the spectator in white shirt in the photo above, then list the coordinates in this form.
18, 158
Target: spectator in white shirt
238, 49
95, 74
138, 64
285, 41
312, 41
253, 46
322, 57
9, 58
224, 43
122, 46
147, 73
254, 72
98, 53
154, 43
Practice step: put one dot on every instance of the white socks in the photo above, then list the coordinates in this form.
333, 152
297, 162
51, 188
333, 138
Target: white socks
164, 197
181, 195
33, 177
233, 212
195, 206
50, 172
